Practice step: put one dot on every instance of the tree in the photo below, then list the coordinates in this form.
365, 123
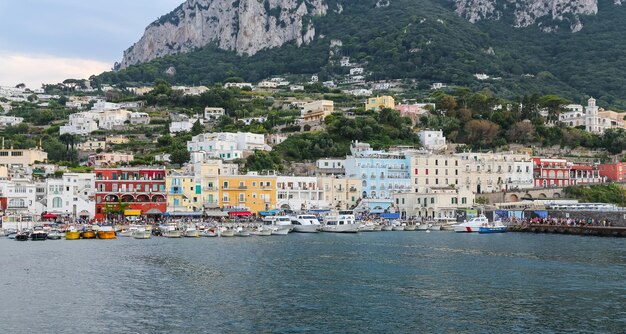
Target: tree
521, 132
554, 104
197, 128
448, 103
179, 156
481, 132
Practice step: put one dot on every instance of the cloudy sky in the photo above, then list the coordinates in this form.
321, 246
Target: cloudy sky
47, 41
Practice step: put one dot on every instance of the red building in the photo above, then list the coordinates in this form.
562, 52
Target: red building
551, 172
130, 192
613, 172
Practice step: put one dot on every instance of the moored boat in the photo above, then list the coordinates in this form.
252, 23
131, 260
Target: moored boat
54, 235
305, 224
21, 236
227, 232
171, 231
387, 228
209, 233
472, 225
191, 232
88, 234
410, 227
142, 233
72, 234
38, 234
106, 232
344, 222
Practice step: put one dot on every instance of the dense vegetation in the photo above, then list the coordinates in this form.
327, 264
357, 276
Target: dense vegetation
606, 193
408, 41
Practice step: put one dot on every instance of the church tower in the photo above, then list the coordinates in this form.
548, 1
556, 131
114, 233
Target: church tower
591, 116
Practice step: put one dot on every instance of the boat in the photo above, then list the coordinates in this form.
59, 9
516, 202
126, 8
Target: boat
142, 233
191, 232
72, 234
492, 229
387, 228
54, 235
227, 232
344, 222
38, 234
88, 234
21, 236
472, 225
261, 231
434, 227
127, 231
423, 226
106, 232
209, 233
410, 226
396, 226
367, 227
171, 231
241, 232
305, 224
278, 225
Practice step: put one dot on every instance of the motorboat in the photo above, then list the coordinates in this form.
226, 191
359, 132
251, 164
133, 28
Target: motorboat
279, 225
142, 233
54, 235
242, 232
227, 232
434, 227
423, 226
387, 227
38, 234
127, 231
410, 227
72, 234
397, 226
367, 227
492, 229
344, 222
21, 236
261, 231
191, 232
209, 233
472, 225
305, 224
106, 232
88, 234
171, 231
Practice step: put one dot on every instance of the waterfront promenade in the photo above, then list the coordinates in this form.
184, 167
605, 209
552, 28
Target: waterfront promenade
605, 231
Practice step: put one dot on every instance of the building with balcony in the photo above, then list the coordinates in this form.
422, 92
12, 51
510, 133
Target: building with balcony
19, 198
316, 111
72, 195
436, 203
379, 102
614, 172
340, 192
299, 193
226, 145
251, 193
109, 159
21, 158
130, 192
432, 140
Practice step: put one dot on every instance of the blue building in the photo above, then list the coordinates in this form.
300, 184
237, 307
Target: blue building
382, 174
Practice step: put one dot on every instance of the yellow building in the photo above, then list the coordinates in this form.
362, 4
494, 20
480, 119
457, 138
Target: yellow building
183, 195
251, 192
380, 102
317, 110
340, 192
21, 157
117, 140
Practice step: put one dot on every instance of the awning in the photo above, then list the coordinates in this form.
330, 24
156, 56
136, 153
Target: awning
269, 213
240, 213
377, 211
184, 214
216, 213
132, 212
49, 216
154, 211
84, 213
390, 215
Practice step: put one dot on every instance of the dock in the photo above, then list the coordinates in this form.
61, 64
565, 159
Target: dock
601, 231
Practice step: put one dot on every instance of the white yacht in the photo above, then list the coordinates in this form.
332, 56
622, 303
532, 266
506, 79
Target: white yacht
472, 225
142, 233
127, 231
171, 231
344, 222
192, 232
279, 225
305, 224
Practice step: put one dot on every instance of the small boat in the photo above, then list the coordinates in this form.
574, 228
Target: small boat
243, 233
142, 233
171, 231
72, 234
227, 232
127, 232
54, 235
434, 227
261, 231
21, 236
191, 232
422, 226
305, 224
387, 228
88, 234
398, 227
38, 234
106, 232
367, 227
209, 233
492, 229
410, 227
344, 222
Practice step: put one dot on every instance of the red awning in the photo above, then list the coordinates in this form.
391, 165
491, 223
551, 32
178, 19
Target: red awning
240, 213
49, 216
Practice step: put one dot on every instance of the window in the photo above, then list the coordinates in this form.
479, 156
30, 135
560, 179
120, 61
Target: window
225, 185
57, 202
463, 200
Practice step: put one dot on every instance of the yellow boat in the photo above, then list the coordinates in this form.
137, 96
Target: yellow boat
106, 234
72, 235
88, 234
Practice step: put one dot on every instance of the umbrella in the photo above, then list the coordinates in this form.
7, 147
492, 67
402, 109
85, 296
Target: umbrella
49, 216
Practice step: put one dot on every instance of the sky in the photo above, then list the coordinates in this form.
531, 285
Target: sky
48, 41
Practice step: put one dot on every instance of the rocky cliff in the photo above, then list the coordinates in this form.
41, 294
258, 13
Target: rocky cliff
529, 12
244, 26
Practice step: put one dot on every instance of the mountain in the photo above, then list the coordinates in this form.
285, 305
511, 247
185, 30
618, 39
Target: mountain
572, 48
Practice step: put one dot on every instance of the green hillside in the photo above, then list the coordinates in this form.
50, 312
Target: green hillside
427, 41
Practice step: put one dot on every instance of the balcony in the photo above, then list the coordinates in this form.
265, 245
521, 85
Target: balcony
209, 188
352, 190
242, 187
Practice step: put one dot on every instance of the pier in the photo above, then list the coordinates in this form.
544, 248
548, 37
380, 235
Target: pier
602, 231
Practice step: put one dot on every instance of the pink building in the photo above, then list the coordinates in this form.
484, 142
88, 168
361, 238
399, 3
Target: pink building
413, 111
109, 159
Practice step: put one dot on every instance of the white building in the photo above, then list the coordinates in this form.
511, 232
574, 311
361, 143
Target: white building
250, 120
330, 166
432, 140
82, 124
72, 195
295, 88
239, 85
356, 71
436, 203
226, 145
360, 92
267, 84
194, 90
10, 120
595, 120
184, 124
213, 113
21, 197
437, 85
139, 118
91, 145
299, 193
